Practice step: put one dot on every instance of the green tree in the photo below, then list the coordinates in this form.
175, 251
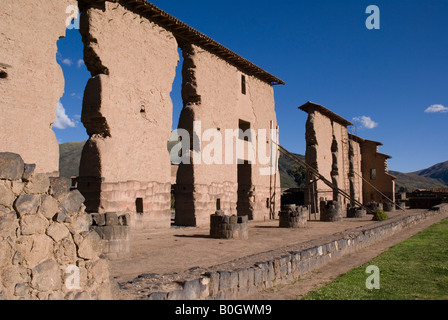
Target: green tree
299, 174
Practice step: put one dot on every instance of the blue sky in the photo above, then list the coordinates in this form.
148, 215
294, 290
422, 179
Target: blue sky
382, 80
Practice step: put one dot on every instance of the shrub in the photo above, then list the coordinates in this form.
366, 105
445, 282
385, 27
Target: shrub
380, 215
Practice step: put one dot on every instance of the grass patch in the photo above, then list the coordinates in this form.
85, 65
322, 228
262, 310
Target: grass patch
416, 269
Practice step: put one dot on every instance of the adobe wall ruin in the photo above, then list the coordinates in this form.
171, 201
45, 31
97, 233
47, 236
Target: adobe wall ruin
131, 51
127, 112
381, 181
330, 151
236, 189
31, 80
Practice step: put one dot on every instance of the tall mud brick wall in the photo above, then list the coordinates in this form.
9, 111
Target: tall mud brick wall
127, 111
213, 94
329, 151
31, 80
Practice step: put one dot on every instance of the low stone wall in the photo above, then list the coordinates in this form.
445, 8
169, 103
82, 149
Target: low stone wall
228, 227
239, 283
115, 234
293, 216
47, 250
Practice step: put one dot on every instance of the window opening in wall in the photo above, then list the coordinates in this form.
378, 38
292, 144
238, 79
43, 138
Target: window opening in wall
218, 204
243, 84
139, 205
244, 127
373, 174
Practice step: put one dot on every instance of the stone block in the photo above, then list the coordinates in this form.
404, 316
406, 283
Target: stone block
224, 280
60, 186
8, 224
17, 187
243, 278
72, 202
33, 224
81, 223
57, 231
90, 247
28, 171
6, 254
27, 204
234, 279
34, 249
47, 276
111, 219
60, 217
214, 282
158, 296
11, 166
7, 196
38, 184
192, 289
65, 251
99, 219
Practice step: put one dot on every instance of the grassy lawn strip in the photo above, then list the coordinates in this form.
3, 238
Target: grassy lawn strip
416, 269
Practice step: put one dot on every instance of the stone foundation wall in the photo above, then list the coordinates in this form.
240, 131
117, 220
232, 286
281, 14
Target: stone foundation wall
147, 203
194, 203
236, 284
114, 233
46, 243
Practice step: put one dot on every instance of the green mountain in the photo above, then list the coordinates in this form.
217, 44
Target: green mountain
433, 177
69, 158
286, 168
438, 172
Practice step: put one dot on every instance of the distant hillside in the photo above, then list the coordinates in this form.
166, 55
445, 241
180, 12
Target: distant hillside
433, 177
69, 158
286, 167
438, 172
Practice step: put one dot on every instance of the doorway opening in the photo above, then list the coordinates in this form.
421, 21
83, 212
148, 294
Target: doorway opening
245, 203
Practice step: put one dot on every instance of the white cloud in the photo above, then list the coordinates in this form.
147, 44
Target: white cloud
437, 108
80, 63
67, 62
75, 96
366, 122
62, 120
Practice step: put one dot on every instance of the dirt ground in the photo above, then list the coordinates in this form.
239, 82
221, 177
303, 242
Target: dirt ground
181, 249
